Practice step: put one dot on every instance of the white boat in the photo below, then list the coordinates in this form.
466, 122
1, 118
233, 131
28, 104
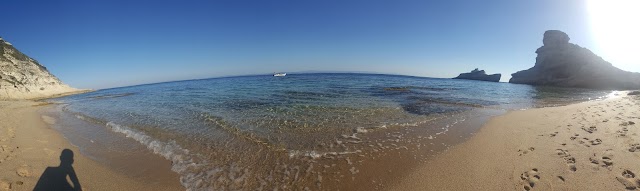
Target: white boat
279, 74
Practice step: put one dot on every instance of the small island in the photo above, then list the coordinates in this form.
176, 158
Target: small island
480, 75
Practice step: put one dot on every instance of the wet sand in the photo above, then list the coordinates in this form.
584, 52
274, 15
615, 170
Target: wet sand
586, 146
28, 146
389, 155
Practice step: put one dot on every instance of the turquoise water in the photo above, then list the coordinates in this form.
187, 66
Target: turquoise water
264, 132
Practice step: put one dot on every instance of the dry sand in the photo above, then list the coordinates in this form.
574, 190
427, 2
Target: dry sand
586, 146
28, 146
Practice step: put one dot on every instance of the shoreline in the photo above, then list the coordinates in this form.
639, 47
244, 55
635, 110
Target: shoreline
583, 146
490, 158
82, 91
113, 150
379, 170
28, 146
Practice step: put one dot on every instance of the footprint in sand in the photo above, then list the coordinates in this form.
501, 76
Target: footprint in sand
627, 123
622, 132
526, 151
583, 140
553, 134
571, 161
588, 143
629, 180
574, 137
529, 179
6, 153
605, 160
23, 171
634, 147
590, 129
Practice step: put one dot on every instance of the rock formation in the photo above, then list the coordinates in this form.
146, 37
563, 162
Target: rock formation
563, 64
479, 75
22, 77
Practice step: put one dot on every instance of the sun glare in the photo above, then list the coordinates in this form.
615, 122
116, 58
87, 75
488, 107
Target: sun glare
616, 31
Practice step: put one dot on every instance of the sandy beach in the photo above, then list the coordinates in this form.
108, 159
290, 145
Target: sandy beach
585, 146
28, 146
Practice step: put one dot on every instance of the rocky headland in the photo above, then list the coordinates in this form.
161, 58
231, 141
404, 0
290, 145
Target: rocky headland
564, 64
480, 75
22, 77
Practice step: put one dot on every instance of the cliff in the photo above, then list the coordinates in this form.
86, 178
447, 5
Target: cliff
563, 64
480, 75
22, 77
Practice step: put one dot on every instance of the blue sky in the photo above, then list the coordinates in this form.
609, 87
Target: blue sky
102, 44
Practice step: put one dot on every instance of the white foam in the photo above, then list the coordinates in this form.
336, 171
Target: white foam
312, 154
183, 163
361, 130
315, 154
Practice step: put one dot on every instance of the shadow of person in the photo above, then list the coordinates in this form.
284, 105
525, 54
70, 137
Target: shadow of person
55, 178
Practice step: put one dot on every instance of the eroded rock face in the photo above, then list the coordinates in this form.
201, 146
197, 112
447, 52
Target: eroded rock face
22, 77
563, 64
554, 38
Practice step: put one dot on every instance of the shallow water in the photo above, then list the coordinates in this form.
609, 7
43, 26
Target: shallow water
302, 131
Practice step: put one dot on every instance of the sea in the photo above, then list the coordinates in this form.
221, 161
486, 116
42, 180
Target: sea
320, 131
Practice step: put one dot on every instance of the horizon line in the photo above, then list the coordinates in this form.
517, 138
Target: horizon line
266, 74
